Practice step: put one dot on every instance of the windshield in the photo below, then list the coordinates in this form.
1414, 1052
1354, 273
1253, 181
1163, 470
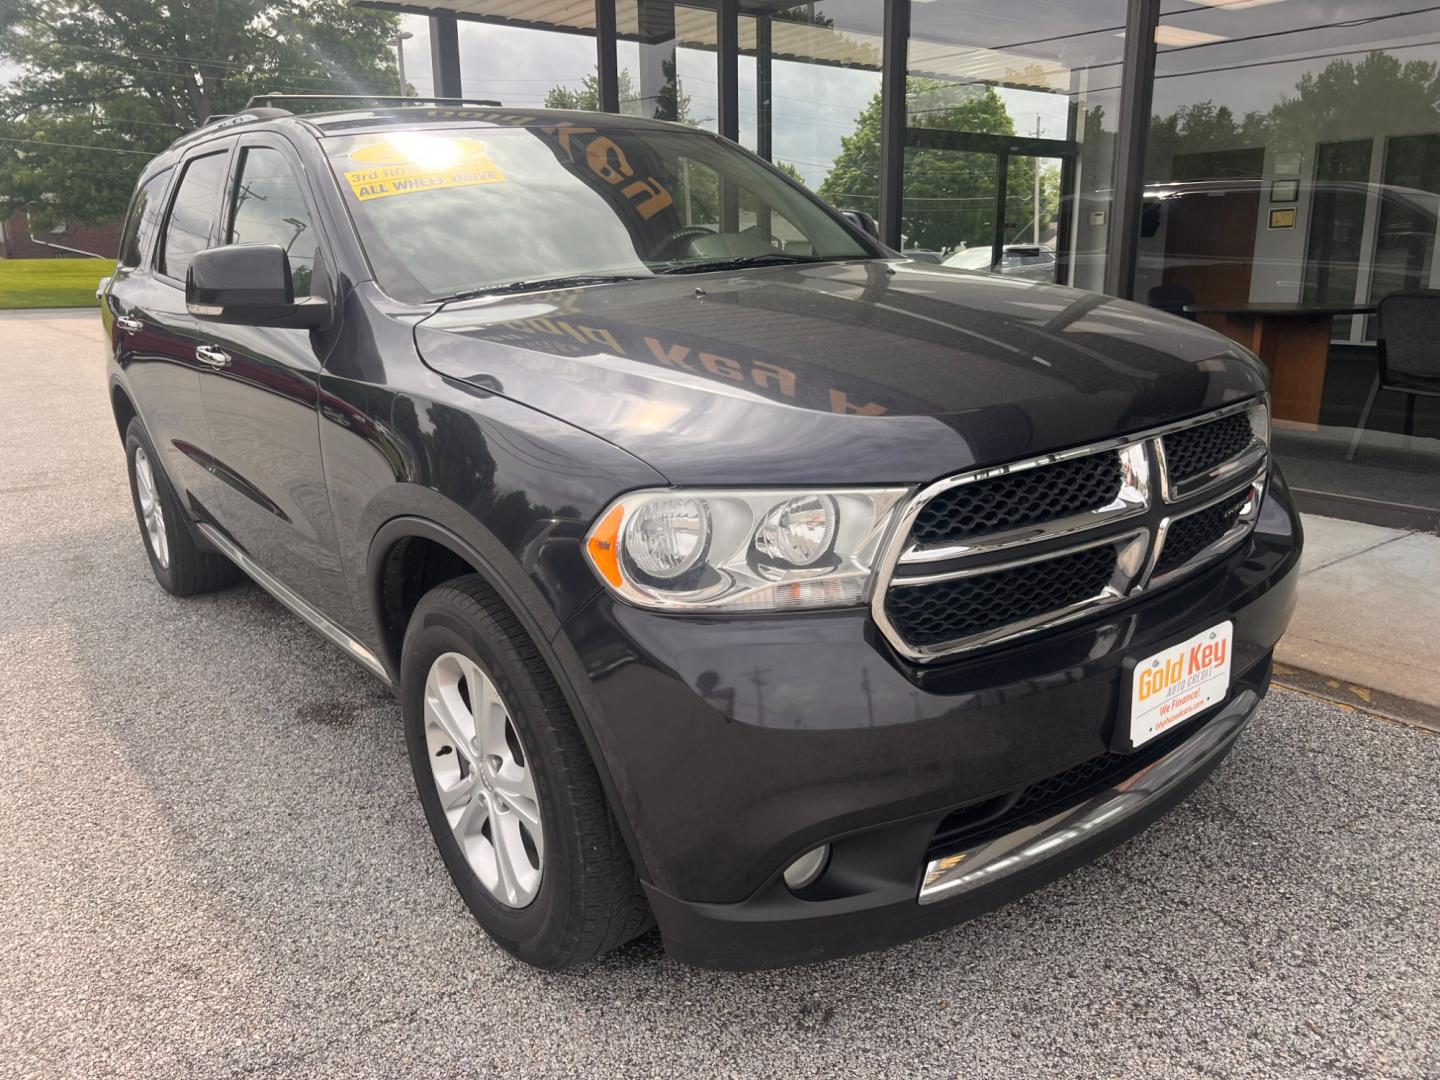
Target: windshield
446, 212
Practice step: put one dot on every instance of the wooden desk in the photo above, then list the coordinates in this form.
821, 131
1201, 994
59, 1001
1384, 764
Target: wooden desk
1294, 342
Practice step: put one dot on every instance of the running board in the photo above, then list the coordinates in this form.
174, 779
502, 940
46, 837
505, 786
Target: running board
280, 592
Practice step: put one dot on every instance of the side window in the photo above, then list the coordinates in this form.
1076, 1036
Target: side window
144, 220
192, 213
269, 208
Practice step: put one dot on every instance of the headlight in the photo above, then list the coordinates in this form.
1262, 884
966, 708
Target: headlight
1260, 421
742, 550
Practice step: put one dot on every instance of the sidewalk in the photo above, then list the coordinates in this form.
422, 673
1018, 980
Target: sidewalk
1367, 626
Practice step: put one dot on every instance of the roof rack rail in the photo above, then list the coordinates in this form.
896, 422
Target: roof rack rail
265, 99
246, 115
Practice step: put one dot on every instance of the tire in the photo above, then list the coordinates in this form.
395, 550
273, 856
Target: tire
180, 565
575, 895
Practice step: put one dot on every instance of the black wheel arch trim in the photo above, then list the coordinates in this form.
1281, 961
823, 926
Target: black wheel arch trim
530, 608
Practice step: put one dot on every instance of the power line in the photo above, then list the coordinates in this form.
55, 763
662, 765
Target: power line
80, 146
180, 70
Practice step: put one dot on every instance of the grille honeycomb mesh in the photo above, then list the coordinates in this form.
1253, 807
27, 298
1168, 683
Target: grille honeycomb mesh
1192, 451
1020, 498
1193, 533
948, 610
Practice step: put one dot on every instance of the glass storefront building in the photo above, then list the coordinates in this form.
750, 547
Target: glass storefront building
1268, 167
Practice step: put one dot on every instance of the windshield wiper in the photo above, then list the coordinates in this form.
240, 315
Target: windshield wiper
568, 282
740, 262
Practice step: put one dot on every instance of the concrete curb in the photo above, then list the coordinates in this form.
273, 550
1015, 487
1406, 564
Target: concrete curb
1365, 699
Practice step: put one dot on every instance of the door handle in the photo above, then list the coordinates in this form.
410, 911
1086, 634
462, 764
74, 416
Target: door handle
128, 324
216, 358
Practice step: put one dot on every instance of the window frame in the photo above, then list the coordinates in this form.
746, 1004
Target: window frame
147, 250
270, 140
206, 149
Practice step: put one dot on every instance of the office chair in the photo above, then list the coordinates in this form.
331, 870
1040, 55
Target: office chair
1408, 354
1172, 299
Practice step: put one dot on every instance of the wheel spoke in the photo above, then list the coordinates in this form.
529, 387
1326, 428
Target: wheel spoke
446, 709
489, 713
162, 540
505, 836
514, 782
471, 818
459, 793
529, 816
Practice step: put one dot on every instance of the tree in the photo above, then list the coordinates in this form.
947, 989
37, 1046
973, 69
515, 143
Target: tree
117, 84
791, 171
586, 98
949, 194
1344, 100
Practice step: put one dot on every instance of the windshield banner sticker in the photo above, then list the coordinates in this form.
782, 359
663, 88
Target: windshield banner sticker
405, 163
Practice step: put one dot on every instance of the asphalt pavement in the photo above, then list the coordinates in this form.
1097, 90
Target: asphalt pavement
212, 863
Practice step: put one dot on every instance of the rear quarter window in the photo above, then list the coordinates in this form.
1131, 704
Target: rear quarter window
144, 220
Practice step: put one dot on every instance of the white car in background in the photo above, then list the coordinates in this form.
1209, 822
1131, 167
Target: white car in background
1034, 262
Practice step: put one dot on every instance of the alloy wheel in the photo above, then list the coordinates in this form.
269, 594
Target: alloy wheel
151, 509
483, 777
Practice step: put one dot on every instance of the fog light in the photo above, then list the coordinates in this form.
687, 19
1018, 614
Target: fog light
806, 869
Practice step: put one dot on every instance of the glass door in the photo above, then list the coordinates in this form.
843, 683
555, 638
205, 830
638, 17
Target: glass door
948, 211
1031, 230
988, 202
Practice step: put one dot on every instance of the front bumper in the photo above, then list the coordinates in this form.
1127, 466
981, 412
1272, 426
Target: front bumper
777, 930
734, 745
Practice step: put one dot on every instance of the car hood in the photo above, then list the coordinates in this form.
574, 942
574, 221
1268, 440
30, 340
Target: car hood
855, 372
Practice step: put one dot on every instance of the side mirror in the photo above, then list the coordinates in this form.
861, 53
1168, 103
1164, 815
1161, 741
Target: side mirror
250, 284
864, 221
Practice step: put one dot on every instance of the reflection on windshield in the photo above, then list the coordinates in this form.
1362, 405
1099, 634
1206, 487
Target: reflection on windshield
465, 210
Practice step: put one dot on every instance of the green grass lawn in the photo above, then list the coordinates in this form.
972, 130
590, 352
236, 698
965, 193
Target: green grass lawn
26, 283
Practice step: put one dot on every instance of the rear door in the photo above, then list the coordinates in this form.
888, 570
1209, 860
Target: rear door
154, 334
262, 394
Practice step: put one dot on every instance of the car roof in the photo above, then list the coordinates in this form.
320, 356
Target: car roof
352, 121
355, 121
389, 119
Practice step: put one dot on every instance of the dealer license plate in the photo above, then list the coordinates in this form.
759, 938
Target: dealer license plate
1174, 684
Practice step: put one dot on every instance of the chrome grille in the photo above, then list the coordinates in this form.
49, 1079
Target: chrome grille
987, 556
1188, 536
945, 610
1193, 450
1030, 496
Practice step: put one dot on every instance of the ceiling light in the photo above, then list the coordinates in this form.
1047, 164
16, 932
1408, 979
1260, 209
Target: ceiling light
1179, 37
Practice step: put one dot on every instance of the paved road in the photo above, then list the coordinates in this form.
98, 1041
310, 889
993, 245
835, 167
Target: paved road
212, 863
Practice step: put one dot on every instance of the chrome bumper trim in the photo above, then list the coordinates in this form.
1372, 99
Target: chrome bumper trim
993, 860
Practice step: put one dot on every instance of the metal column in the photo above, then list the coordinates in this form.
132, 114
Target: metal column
892, 118
1137, 83
445, 56
727, 72
607, 67
763, 76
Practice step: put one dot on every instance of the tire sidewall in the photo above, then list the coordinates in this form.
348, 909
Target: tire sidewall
441, 626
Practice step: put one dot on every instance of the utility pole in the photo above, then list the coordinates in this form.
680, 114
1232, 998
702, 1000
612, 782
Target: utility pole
402, 36
1035, 226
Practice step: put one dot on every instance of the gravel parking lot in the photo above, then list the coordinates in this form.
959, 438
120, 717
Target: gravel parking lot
213, 863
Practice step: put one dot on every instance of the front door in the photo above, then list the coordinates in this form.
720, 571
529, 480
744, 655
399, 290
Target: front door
261, 393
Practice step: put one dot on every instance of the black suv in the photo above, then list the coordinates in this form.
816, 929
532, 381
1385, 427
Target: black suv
734, 573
